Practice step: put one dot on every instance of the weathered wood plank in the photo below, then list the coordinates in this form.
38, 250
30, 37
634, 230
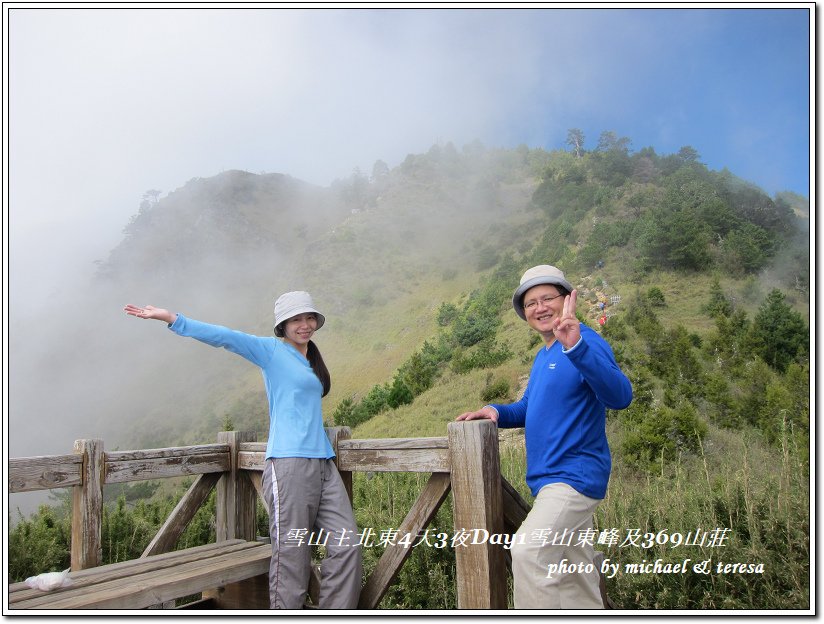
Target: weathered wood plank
251, 460
515, 512
368, 443
91, 576
395, 443
172, 451
159, 465
251, 593
87, 507
181, 515
376, 455
418, 518
156, 586
54, 471
478, 504
29, 474
515, 507
394, 460
256, 479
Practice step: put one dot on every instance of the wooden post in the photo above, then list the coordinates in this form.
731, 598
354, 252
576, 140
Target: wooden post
335, 435
236, 497
87, 507
477, 509
236, 517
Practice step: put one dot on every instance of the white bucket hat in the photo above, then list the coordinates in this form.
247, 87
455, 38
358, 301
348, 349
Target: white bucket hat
291, 304
541, 274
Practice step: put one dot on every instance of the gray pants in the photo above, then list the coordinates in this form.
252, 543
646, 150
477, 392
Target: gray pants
308, 505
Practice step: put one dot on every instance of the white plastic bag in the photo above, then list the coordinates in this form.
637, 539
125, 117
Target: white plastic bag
49, 580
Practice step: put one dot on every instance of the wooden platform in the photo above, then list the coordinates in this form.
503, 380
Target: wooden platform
232, 574
152, 580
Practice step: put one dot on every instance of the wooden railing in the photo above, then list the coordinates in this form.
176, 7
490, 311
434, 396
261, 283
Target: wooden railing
466, 462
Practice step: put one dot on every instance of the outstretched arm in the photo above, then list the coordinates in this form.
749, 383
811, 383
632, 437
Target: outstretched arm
256, 349
150, 312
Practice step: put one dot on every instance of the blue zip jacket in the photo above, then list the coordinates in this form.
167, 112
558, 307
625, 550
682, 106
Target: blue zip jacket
563, 411
293, 389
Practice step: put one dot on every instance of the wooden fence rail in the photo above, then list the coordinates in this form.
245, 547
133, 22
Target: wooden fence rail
464, 462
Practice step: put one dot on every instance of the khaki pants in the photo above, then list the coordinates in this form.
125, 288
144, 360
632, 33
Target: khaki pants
306, 497
558, 514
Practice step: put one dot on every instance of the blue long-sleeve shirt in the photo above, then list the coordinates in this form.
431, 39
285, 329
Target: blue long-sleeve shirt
293, 389
563, 411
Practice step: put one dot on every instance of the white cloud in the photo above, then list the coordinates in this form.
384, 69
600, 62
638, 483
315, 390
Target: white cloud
108, 103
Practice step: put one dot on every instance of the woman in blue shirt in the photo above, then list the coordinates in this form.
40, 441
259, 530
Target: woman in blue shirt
304, 492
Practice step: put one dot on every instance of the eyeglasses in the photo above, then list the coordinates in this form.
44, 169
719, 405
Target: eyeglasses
529, 305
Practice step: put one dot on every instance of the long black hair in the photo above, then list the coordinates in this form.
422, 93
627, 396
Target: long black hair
319, 366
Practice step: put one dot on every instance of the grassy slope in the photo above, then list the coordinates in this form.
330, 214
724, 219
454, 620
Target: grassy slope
454, 393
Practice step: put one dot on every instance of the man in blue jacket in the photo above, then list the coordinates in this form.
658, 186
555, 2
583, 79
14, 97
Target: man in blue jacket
574, 379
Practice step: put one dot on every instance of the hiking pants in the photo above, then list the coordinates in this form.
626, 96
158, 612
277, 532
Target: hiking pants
558, 514
308, 505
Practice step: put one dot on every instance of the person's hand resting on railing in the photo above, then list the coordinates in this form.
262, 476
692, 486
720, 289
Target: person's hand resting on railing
488, 412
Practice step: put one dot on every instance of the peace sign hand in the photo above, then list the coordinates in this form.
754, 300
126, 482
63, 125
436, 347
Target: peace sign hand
567, 328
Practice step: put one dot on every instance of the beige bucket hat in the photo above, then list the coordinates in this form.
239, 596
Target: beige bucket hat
291, 304
541, 274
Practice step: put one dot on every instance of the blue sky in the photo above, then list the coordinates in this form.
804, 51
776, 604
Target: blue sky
107, 103
734, 84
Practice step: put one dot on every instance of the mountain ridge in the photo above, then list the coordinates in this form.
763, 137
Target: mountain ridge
379, 253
